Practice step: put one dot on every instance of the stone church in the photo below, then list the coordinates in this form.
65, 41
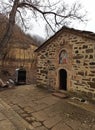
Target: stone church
66, 61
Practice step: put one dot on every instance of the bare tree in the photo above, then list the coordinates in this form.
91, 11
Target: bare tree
55, 15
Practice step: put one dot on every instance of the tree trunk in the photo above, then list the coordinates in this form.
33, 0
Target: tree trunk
9, 30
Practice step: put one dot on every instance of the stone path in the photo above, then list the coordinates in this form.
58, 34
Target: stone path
43, 111
10, 120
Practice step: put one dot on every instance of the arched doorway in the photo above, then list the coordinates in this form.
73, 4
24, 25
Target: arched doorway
63, 79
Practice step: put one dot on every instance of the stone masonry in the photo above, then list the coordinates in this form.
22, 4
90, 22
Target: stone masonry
80, 61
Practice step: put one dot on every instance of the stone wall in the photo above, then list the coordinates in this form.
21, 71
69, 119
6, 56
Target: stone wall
84, 66
80, 64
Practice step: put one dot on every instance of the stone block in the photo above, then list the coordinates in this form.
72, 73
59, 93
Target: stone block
85, 46
36, 124
92, 63
6, 125
92, 84
89, 51
78, 57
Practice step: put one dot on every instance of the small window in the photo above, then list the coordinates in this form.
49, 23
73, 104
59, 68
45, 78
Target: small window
63, 57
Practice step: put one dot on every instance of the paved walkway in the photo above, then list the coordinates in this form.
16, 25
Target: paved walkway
28, 107
10, 120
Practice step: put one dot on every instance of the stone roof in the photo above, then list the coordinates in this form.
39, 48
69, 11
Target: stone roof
86, 34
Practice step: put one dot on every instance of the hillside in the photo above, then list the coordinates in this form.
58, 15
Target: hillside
21, 51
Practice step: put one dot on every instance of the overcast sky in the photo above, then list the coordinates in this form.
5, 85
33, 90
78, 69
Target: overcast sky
88, 5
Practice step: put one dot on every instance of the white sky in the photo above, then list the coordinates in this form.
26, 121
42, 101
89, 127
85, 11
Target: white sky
88, 5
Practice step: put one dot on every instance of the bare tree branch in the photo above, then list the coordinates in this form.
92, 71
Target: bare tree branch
59, 16
21, 18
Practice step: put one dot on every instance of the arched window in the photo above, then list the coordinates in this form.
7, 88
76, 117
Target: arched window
63, 57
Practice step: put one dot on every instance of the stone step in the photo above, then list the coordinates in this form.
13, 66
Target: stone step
60, 95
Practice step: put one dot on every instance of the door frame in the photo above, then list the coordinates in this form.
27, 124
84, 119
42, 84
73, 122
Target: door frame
63, 72
57, 86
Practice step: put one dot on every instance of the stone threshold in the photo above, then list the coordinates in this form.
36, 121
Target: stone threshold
60, 93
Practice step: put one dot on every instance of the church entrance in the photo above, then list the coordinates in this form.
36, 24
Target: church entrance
62, 79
